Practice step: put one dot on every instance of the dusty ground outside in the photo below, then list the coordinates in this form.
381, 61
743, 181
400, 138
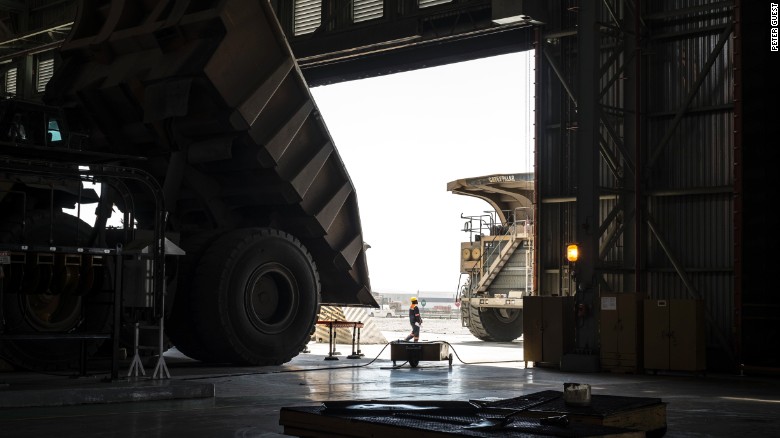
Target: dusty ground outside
388, 326
466, 348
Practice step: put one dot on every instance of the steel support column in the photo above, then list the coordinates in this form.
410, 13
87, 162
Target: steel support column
585, 358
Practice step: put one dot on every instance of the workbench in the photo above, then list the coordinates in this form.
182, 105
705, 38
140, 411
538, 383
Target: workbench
356, 326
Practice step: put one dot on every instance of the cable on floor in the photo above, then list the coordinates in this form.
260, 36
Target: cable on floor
347, 366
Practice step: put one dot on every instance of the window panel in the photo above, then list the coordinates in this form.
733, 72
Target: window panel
429, 3
307, 16
364, 10
10, 81
45, 72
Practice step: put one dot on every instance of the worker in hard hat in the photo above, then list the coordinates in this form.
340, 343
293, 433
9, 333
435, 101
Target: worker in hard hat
415, 320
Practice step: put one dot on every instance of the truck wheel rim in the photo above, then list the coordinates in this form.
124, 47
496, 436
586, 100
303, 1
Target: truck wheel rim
506, 315
271, 296
49, 312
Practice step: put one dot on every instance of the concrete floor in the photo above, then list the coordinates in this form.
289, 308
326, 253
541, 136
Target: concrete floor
246, 401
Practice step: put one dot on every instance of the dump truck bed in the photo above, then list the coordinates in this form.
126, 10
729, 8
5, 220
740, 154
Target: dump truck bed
210, 95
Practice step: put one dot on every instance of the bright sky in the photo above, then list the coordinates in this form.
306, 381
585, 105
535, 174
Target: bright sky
403, 137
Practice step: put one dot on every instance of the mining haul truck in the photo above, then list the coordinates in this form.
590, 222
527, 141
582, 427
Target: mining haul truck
496, 263
236, 216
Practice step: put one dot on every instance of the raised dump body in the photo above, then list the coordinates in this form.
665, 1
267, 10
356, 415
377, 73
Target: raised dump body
206, 99
497, 260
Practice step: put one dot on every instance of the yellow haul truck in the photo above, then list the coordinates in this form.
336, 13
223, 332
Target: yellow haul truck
496, 263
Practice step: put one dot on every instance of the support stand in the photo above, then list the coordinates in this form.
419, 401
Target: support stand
356, 326
136, 365
160, 368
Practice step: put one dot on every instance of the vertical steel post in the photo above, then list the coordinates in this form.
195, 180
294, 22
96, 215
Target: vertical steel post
585, 357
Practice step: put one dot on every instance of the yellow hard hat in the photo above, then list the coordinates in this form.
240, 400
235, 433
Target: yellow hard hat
414, 299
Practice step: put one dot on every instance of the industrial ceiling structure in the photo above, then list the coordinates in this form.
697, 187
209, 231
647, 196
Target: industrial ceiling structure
652, 139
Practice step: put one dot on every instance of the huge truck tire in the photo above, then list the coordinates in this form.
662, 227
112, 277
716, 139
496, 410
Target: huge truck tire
494, 325
52, 299
181, 319
256, 297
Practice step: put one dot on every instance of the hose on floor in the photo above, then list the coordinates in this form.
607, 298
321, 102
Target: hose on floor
347, 366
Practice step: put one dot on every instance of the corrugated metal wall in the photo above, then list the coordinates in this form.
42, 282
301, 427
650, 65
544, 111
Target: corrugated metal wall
685, 166
690, 185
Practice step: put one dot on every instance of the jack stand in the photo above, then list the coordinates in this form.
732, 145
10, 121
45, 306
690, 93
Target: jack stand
136, 365
161, 368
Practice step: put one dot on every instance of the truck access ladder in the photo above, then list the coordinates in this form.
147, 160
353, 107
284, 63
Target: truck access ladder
510, 242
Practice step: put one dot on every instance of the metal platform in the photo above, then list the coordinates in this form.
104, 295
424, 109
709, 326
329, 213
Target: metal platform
539, 414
